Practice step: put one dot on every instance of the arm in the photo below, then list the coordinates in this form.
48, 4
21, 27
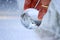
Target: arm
45, 4
27, 4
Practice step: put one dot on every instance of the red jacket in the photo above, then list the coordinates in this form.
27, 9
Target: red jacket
42, 6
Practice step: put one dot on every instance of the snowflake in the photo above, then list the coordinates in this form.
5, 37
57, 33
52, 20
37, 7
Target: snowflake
7, 0
10, 1
3, 5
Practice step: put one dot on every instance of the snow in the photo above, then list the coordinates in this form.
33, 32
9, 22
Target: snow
57, 4
51, 23
12, 29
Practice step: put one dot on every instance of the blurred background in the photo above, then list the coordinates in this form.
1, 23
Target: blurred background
10, 25
8, 6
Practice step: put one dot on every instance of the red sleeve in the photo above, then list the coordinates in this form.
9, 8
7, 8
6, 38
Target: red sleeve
27, 4
45, 2
42, 13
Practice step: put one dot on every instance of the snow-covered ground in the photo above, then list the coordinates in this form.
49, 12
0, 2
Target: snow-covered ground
12, 29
